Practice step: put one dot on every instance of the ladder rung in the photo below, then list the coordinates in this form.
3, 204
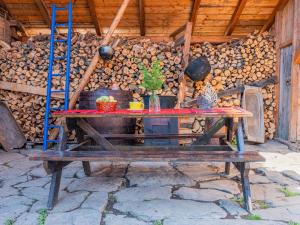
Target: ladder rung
53, 141
59, 57
60, 40
56, 109
61, 25
57, 74
61, 8
53, 126
55, 91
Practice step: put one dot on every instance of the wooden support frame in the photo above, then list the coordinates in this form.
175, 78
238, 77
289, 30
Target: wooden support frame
271, 19
92, 8
194, 13
235, 17
43, 9
297, 57
141, 15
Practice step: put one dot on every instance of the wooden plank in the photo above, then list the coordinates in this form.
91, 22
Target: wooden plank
297, 57
270, 21
295, 110
141, 14
98, 138
226, 112
150, 156
194, 13
43, 9
11, 135
235, 17
205, 138
153, 136
178, 31
92, 8
9, 86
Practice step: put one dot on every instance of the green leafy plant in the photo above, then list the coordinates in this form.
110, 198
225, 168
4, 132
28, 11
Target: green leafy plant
153, 77
158, 222
262, 204
253, 217
288, 193
293, 223
234, 141
238, 199
42, 216
9, 222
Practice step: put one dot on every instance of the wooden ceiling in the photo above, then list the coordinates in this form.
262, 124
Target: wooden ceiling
152, 17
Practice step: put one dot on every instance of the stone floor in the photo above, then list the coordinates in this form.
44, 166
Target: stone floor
151, 193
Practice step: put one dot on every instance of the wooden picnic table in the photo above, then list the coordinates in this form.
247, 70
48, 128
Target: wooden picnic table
104, 150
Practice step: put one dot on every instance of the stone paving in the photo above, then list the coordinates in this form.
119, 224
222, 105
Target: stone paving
152, 193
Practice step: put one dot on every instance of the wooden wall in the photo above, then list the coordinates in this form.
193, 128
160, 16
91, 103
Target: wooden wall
287, 31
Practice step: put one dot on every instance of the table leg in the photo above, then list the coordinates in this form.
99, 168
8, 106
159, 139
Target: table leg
240, 137
57, 169
244, 170
80, 138
229, 135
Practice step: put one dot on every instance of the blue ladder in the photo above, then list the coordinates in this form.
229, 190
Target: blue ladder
52, 58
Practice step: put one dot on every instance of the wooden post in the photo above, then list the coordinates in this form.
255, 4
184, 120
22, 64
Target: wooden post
295, 114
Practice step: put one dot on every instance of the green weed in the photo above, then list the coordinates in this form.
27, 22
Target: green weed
288, 193
9, 222
253, 217
158, 222
293, 223
238, 199
42, 216
262, 204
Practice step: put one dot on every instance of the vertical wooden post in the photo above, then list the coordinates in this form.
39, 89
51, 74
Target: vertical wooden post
295, 76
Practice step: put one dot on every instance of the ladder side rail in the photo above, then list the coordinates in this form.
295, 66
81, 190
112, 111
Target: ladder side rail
49, 79
67, 84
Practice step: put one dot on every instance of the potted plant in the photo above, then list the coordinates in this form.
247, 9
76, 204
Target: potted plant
153, 80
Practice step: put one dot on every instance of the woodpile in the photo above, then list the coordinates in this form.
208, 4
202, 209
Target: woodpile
233, 63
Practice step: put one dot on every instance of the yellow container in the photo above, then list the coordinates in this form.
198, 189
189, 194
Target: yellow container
136, 105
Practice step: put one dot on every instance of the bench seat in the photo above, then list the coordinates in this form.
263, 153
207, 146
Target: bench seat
154, 155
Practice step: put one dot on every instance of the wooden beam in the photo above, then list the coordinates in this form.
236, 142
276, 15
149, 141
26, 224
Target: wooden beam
178, 31
235, 17
280, 5
20, 25
194, 13
92, 8
185, 59
35, 90
141, 13
43, 9
297, 57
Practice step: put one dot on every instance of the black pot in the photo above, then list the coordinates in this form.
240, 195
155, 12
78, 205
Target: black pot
106, 52
198, 69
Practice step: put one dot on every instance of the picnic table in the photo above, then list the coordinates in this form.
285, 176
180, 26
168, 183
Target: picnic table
104, 150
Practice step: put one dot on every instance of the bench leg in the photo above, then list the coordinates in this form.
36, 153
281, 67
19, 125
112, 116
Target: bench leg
244, 170
86, 168
54, 188
227, 168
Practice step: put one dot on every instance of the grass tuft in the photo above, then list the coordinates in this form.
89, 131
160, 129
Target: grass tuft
293, 223
9, 222
239, 200
158, 222
262, 204
253, 217
42, 216
288, 193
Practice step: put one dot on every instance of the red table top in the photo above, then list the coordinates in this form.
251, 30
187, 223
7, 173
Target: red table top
126, 113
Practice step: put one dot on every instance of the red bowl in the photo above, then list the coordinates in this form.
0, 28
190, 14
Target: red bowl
106, 106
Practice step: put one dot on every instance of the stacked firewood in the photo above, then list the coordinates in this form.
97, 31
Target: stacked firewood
241, 62
233, 63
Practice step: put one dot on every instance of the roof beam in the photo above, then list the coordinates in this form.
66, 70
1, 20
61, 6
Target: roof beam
141, 14
235, 17
193, 16
43, 9
280, 5
95, 18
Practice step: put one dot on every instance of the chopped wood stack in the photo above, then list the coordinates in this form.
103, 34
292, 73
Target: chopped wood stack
241, 62
233, 63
